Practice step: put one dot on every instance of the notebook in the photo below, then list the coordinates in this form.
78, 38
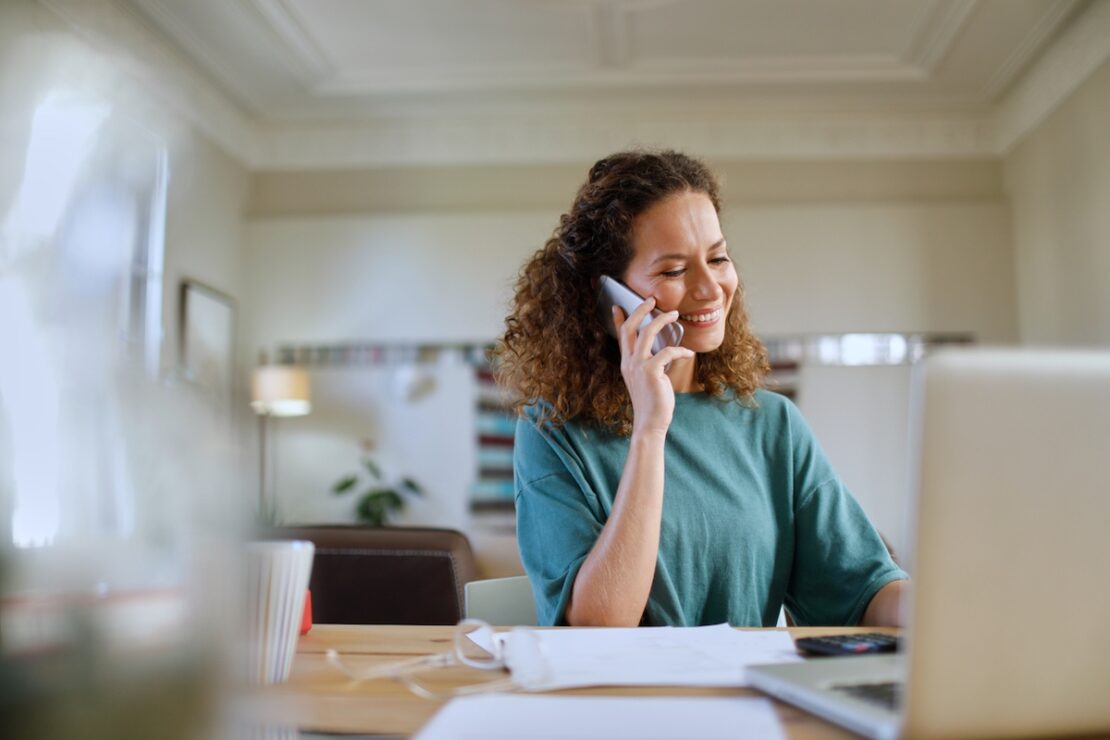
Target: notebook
1010, 609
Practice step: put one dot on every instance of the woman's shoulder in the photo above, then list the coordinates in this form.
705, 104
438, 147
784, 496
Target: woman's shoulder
773, 400
779, 412
539, 418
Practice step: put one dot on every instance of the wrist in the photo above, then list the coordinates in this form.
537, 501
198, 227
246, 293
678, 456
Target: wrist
648, 437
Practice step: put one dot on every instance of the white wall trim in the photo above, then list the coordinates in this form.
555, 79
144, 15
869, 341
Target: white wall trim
1081, 49
167, 74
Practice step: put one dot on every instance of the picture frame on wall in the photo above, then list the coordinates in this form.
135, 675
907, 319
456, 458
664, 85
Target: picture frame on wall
206, 341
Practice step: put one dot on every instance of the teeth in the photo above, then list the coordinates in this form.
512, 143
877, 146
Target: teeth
700, 318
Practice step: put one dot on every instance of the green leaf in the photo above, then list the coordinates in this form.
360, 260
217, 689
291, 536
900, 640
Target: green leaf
393, 500
344, 484
377, 504
371, 511
372, 467
412, 486
389, 499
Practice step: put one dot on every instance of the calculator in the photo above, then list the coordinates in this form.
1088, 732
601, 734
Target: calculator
861, 644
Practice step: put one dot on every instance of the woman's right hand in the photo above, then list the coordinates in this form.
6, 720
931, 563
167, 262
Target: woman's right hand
645, 375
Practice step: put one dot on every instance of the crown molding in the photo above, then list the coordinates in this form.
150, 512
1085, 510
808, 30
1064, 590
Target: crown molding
940, 22
1055, 14
940, 25
502, 140
161, 70
1081, 49
500, 137
290, 27
198, 48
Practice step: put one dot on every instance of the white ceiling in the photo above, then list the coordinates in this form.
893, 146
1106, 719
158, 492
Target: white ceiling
340, 59
315, 83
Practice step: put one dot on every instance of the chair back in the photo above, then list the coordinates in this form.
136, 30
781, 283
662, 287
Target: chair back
504, 602
386, 575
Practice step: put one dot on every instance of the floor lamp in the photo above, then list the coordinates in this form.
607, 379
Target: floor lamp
276, 390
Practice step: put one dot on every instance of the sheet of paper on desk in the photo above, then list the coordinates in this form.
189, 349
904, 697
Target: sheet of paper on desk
640, 656
510, 717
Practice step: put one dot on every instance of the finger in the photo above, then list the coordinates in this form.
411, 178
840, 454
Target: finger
647, 336
628, 330
667, 355
619, 320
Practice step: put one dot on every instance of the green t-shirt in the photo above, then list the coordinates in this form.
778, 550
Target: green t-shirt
753, 517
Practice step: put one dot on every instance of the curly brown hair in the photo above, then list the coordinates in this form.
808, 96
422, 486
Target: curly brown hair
555, 351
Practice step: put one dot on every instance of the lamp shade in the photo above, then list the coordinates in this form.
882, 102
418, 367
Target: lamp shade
281, 390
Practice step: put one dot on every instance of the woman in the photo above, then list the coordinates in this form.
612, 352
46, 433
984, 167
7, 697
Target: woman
669, 489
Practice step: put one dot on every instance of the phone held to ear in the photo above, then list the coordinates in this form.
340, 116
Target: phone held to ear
613, 292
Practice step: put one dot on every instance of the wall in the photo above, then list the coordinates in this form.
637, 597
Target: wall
204, 224
820, 249
834, 256
1058, 181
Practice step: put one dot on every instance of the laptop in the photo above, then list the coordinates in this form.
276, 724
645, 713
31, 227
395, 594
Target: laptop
1009, 620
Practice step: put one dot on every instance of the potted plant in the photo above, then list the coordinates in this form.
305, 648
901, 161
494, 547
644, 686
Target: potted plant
379, 498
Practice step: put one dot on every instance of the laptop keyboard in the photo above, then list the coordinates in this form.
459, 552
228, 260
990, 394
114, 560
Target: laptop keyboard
888, 695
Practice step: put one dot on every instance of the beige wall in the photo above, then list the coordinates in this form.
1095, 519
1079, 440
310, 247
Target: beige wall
204, 225
470, 188
1058, 182
808, 267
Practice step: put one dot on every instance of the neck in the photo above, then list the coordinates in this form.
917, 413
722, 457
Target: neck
681, 374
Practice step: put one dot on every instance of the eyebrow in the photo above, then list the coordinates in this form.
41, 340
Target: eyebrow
675, 256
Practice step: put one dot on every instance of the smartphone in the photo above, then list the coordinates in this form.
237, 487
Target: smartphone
613, 292
870, 642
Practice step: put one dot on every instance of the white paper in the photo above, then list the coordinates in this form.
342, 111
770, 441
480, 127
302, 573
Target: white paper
640, 656
511, 717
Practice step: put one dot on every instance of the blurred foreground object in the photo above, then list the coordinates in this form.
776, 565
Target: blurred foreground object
117, 484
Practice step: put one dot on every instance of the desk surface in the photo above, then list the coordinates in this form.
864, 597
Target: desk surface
318, 697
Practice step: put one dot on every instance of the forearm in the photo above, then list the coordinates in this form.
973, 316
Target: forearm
885, 609
614, 582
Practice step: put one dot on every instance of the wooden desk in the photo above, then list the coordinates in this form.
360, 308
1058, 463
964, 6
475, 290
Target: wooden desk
318, 697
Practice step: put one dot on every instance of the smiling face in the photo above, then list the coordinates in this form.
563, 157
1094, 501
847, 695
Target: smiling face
680, 257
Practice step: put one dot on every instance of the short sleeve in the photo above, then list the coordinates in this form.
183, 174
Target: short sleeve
558, 520
840, 561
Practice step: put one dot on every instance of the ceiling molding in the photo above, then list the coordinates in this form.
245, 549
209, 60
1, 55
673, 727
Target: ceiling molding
166, 74
1055, 14
1081, 49
198, 48
491, 78
940, 25
493, 137
290, 28
499, 140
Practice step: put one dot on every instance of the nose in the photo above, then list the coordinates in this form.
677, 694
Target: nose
705, 287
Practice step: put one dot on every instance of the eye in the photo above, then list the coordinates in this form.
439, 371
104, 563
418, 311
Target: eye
720, 260
673, 273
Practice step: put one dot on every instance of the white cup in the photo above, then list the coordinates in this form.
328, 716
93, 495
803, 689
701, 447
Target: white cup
277, 579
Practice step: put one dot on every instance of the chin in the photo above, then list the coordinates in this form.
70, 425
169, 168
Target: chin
702, 345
